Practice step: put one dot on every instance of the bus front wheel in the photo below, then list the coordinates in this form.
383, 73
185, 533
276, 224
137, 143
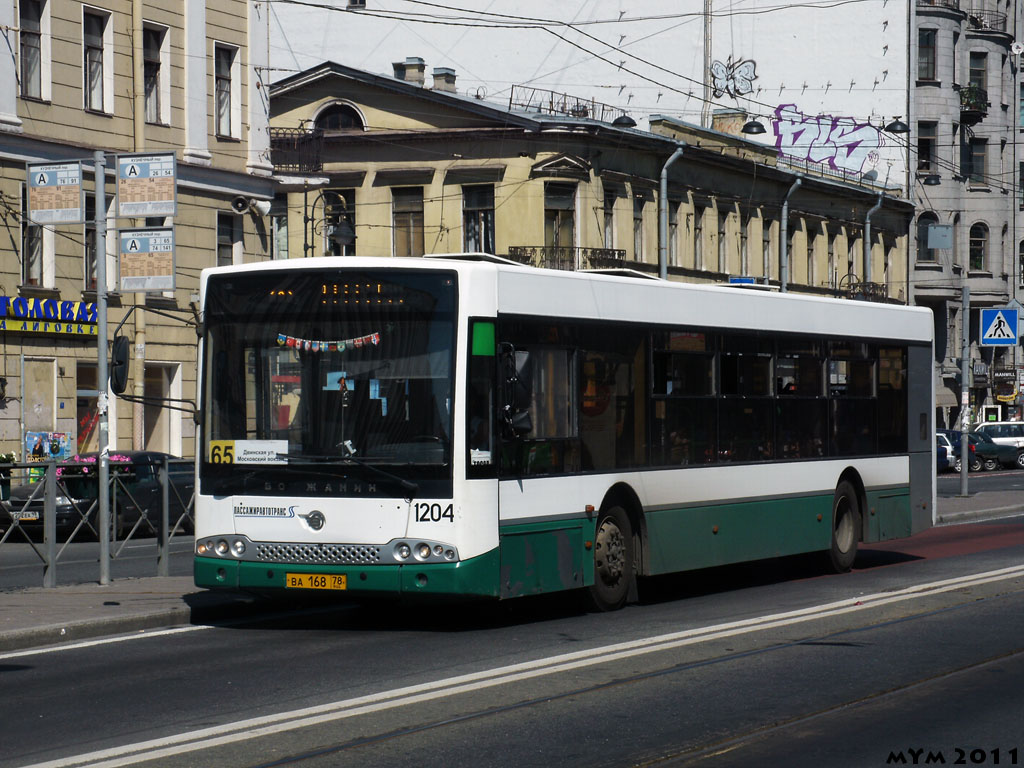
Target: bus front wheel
845, 527
613, 560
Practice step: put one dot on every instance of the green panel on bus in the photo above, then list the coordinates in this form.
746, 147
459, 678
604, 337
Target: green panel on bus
543, 557
703, 537
483, 339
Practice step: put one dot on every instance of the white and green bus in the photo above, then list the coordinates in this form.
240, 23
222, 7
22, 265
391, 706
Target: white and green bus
465, 426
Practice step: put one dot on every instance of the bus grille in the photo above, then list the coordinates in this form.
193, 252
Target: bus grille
336, 554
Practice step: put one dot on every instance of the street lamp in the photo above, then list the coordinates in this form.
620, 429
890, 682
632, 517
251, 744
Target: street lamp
335, 217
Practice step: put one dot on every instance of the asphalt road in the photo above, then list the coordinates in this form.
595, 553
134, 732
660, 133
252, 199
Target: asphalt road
768, 663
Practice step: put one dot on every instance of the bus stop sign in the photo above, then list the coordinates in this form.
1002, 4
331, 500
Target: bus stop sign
999, 327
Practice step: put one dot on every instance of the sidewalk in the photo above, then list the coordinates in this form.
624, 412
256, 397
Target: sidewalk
39, 616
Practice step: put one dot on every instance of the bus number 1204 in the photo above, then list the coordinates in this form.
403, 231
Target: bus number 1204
433, 513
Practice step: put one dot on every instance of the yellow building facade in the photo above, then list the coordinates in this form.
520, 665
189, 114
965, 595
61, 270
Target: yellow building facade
385, 166
122, 78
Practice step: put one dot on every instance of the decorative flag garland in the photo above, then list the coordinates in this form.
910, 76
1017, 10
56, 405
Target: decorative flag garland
308, 345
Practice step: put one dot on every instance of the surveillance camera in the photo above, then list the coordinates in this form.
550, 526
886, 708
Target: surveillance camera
240, 204
262, 207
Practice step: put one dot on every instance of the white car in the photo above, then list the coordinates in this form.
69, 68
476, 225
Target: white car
1005, 433
952, 458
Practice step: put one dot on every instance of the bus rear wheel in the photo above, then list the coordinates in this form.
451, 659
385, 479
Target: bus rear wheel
845, 527
613, 560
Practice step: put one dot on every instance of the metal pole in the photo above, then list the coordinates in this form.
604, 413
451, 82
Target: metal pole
50, 524
965, 367
663, 216
103, 514
784, 237
163, 561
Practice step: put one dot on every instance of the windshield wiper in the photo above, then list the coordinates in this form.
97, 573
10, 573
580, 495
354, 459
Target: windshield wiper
410, 488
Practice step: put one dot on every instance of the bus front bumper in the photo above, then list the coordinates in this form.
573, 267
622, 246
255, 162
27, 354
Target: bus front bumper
476, 577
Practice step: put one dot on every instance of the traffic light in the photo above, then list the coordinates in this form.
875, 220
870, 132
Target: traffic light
119, 364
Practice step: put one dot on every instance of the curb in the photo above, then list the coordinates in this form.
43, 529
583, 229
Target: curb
52, 634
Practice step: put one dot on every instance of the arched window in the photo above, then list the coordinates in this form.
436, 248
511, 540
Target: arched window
978, 247
924, 221
339, 117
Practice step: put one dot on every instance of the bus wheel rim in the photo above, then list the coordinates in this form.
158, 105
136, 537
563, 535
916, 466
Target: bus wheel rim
844, 525
611, 553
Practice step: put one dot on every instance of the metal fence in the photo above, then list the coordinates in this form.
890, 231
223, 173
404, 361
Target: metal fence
146, 498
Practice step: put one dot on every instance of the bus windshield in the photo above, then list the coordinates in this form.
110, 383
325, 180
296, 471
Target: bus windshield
311, 367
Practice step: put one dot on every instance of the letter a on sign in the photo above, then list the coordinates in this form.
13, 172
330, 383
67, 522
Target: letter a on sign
133, 170
133, 245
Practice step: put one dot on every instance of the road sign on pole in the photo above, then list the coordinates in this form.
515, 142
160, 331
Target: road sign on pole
146, 185
999, 327
55, 194
146, 259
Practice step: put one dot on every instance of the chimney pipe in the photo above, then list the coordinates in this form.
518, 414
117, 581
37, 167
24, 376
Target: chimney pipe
412, 70
444, 79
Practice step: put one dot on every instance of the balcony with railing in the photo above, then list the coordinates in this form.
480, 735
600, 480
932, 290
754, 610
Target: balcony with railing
992, 21
296, 150
567, 258
953, 5
974, 104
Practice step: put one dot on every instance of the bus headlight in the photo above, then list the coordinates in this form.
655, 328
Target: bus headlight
222, 547
238, 547
402, 551
422, 551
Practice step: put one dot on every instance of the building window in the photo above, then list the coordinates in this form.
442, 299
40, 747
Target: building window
31, 22
924, 223
673, 232
978, 73
228, 91
407, 220
744, 247
1020, 107
698, 237
638, 226
978, 247
1020, 262
155, 66
279, 227
95, 65
926, 54
833, 278
31, 246
559, 215
609, 217
478, 218
723, 218
339, 117
972, 159
340, 222
228, 241
90, 242
766, 246
927, 146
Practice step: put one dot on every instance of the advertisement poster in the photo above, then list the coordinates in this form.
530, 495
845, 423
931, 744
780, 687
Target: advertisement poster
46, 446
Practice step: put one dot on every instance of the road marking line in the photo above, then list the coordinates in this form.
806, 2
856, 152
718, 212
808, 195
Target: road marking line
102, 641
242, 730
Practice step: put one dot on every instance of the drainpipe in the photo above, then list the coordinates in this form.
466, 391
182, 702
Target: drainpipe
139, 142
663, 215
784, 237
867, 239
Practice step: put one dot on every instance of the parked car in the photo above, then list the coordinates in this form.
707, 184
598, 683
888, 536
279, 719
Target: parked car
985, 454
139, 494
974, 464
944, 461
1005, 433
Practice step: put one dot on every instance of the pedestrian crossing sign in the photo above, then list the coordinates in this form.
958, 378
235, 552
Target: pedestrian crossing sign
999, 327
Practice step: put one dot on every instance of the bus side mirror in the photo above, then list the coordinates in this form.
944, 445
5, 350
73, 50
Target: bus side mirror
515, 380
119, 364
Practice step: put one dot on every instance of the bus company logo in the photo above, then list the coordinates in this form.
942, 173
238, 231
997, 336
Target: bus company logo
242, 510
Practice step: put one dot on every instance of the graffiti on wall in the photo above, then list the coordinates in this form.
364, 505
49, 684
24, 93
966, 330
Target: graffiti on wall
735, 78
841, 142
